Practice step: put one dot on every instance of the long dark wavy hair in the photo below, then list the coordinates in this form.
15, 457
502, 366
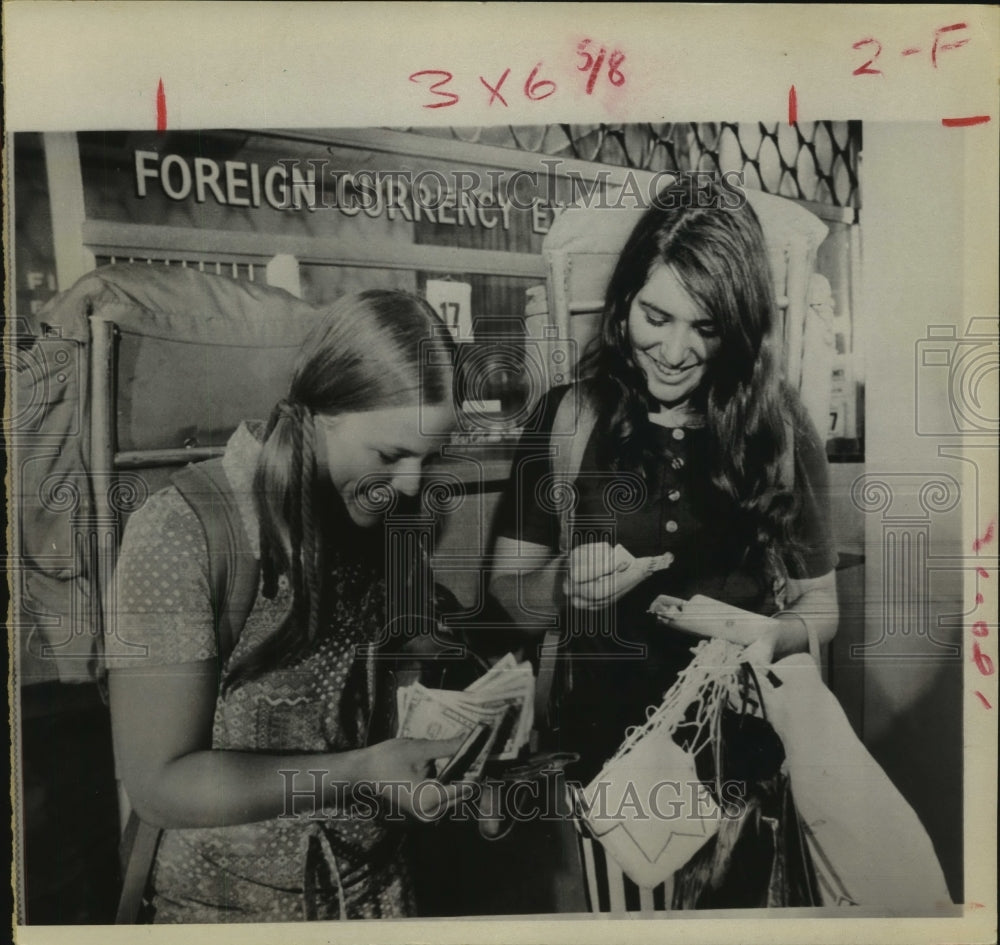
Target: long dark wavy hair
719, 256
371, 350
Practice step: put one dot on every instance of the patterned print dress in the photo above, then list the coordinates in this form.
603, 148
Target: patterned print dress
326, 863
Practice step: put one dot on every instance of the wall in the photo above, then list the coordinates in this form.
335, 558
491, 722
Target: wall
34, 265
913, 628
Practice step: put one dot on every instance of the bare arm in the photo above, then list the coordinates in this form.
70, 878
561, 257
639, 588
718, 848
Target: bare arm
533, 583
813, 602
812, 607
162, 725
527, 580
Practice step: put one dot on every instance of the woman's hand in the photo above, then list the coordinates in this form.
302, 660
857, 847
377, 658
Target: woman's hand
812, 612
401, 770
600, 574
162, 724
761, 651
705, 617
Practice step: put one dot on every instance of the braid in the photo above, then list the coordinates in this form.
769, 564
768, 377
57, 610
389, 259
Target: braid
275, 557
362, 354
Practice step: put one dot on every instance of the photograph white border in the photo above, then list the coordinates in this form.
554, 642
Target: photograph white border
96, 65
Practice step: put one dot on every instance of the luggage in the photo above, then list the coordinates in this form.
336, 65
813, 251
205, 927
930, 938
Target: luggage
134, 370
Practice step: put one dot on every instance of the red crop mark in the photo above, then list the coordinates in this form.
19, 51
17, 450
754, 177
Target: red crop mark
985, 540
980, 629
982, 572
793, 106
979, 599
161, 108
985, 702
965, 122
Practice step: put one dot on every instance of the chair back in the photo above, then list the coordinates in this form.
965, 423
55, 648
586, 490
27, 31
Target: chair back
584, 243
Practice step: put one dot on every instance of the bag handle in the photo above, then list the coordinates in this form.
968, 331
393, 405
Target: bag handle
234, 576
572, 427
137, 851
234, 571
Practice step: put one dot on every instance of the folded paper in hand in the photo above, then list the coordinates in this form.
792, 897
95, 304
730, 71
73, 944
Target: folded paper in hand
445, 713
711, 618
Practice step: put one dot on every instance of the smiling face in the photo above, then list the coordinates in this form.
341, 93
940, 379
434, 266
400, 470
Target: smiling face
672, 337
366, 452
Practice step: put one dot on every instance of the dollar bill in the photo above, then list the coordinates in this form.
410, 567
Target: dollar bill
508, 687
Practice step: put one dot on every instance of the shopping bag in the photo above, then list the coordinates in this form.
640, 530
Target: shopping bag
867, 844
649, 812
648, 807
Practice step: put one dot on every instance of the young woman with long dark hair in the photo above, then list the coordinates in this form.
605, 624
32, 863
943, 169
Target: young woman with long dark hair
701, 459
211, 748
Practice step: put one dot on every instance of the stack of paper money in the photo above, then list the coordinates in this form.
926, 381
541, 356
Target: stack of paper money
445, 713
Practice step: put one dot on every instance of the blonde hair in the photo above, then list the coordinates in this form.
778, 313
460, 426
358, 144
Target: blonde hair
371, 350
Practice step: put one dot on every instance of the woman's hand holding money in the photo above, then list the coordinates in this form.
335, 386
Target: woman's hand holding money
400, 769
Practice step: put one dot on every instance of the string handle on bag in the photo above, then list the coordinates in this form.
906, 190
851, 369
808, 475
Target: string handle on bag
706, 682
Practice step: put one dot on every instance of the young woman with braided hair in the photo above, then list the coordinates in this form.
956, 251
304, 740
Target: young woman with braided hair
213, 753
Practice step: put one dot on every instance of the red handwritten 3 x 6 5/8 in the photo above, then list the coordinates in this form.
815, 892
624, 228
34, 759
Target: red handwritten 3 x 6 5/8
597, 61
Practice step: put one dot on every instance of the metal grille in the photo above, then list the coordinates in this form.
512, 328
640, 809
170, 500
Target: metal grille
815, 161
248, 272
